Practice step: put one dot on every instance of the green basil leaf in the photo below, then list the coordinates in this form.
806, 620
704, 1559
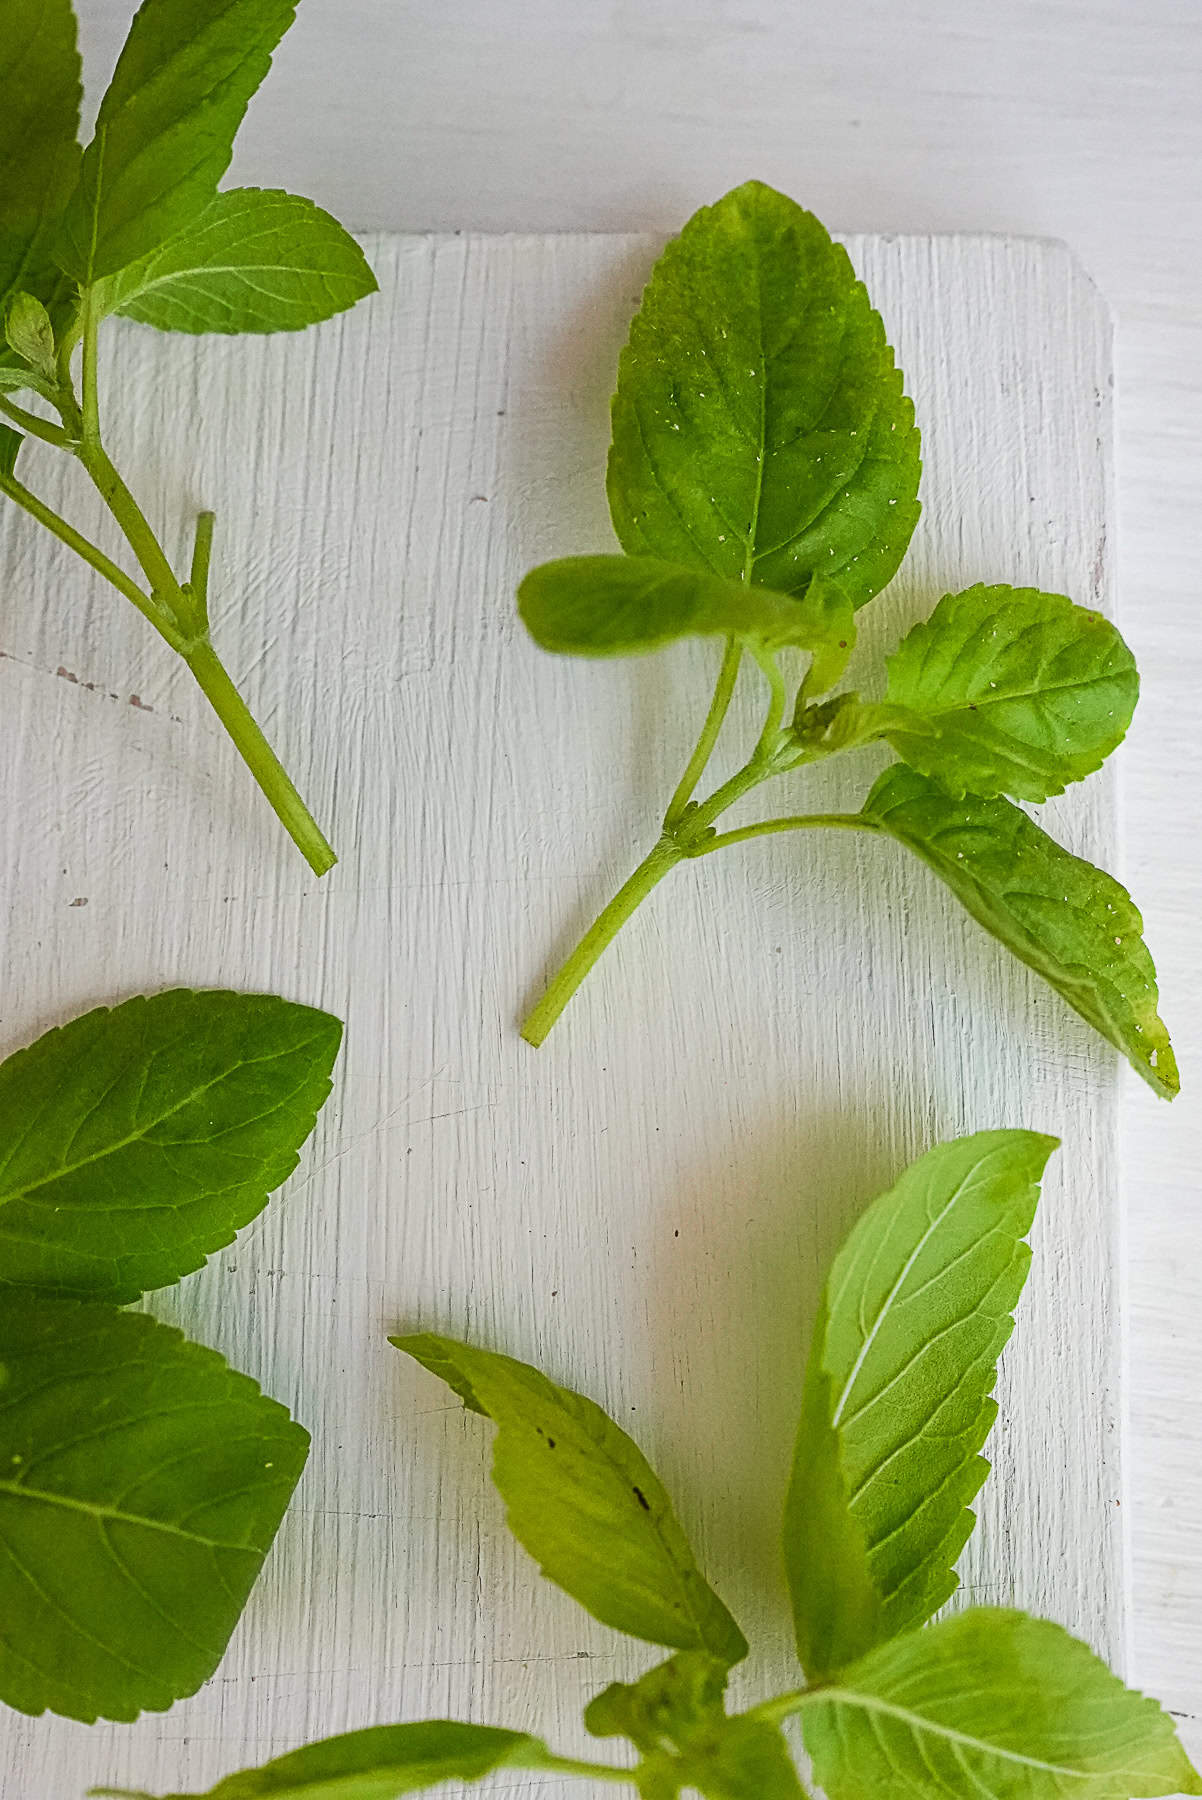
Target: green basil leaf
913, 1317
584, 1501
748, 1760
30, 334
255, 260
760, 430
39, 120
166, 126
1016, 692
622, 605
136, 1140
1073, 924
675, 1716
380, 1763
141, 1484
671, 1703
994, 1704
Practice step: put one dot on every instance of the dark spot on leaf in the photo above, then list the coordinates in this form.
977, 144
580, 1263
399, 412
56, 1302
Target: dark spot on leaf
641, 1497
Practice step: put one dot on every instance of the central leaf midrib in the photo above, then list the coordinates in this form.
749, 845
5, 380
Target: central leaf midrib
991, 697
919, 1723
134, 1137
19, 1491
954, 1199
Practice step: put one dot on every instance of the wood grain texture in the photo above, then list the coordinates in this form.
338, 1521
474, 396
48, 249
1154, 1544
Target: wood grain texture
1081, 121
646, 1206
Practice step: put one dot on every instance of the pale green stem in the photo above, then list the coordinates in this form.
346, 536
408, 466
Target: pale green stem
259, 756
186, 607
770, 669
666, 854
677, 842
768, 827
33, 426
202, 552
572, 1765
714, 718
104, 565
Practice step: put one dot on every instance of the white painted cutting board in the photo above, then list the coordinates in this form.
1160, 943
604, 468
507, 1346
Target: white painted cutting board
646, 1206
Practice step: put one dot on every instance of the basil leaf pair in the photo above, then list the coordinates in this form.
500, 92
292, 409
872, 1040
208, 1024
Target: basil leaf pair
141, 1480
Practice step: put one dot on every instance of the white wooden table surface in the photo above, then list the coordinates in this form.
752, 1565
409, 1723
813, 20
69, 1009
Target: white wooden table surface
1056, 117
647, 1205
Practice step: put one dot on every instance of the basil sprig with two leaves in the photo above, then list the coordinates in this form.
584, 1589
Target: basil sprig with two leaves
134, 224
141, 1480
763, 483
897, 1405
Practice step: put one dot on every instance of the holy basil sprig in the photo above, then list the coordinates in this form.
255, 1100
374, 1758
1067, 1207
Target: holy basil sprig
896, 1407
141, 1480
763, 481
134, 224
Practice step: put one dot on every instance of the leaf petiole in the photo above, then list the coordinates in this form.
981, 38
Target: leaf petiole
714, 719
35, 426
768, 827
91, 554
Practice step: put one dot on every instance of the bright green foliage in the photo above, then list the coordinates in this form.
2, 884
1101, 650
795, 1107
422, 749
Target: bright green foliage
166, 126
10, 449
675, 1701
136, 1140
1025, 692
585, 1502
30, 334
39, 120
135, 223
897, 1403
381, 1763
141, 1484
916, 1309
254, 260
1073, 924
760, 430
676, 1718
620, 605
763, 448
991, 1704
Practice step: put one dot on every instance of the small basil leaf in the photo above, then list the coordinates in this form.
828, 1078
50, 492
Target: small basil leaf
622, 605
30, 335
760, 430
584, 1501
1017, 692
1073, 924
995, 1704
913, 1317
671, 1703
141, 1484
166, 126
254, 260
381, 1763
137, 1140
